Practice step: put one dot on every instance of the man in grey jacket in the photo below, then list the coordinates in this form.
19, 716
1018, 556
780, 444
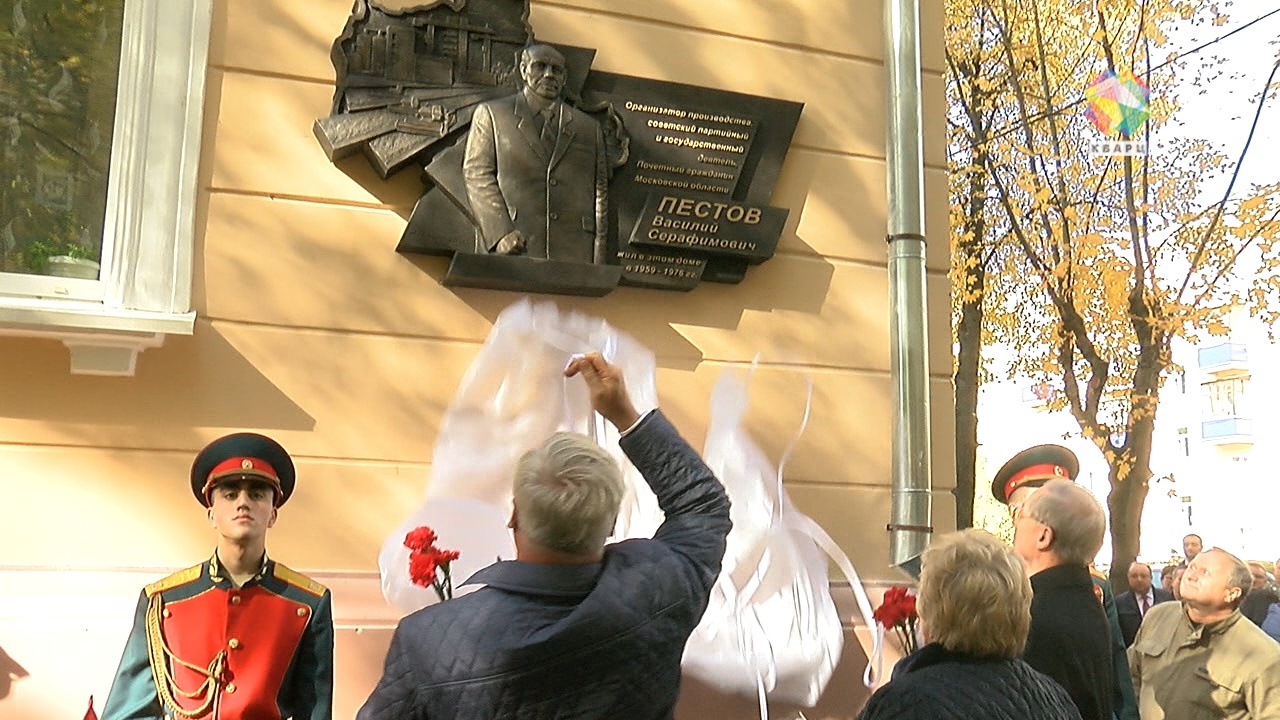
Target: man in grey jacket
572, 628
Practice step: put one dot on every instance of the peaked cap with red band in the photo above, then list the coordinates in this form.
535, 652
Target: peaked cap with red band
1034, 467
243, 455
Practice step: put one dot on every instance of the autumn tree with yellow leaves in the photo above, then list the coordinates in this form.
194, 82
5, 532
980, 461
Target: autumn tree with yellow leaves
1085, 267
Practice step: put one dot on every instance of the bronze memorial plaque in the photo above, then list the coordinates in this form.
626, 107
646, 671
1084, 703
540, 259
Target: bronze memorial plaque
543, 176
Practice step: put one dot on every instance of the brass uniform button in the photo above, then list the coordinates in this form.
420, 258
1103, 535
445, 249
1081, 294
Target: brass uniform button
235, 599
233, 643
302, 612
166, 613
231, 687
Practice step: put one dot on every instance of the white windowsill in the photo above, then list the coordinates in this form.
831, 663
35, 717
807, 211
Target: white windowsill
102, 341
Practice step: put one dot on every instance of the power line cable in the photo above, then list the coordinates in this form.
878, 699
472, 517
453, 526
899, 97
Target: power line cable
1056, 111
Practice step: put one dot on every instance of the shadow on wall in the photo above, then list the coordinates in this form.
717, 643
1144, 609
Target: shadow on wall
649, 315
10, 672
197, 381
718, 307
797, 279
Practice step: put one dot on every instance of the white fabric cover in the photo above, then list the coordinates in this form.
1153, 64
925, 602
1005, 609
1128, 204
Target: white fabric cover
771, 626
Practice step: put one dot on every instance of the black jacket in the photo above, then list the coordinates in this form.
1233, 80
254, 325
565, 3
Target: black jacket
1256, 603
937, 684
1127, 611
1070, 640
545, 642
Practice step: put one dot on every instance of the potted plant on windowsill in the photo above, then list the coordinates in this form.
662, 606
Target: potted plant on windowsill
61, 258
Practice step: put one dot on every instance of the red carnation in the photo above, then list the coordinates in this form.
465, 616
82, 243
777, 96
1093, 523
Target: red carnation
428, 564
897, 612
422, 569
909, 606
420, 538
886, 615
896, 594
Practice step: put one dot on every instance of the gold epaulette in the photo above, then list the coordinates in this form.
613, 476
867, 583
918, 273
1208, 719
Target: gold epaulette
181, 577
299, 580
1096, 573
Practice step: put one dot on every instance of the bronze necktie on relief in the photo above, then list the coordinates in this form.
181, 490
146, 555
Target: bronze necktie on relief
549, 128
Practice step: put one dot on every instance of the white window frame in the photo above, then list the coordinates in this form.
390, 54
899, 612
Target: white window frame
149, 232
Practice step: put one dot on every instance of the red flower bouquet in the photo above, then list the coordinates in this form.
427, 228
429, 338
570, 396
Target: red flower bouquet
897, 612
428, 564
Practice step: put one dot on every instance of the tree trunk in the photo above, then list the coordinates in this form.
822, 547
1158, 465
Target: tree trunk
1127, 497
970, 249
969, 339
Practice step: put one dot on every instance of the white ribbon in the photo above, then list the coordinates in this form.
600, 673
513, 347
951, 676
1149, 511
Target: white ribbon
805, 525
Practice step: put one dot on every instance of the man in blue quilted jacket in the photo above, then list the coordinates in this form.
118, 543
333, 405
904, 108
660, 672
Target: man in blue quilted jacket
572, 628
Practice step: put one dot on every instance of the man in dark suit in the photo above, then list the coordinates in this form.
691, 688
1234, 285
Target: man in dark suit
1191, 546
1057, 532
1014, 484
1133, 605
536, 169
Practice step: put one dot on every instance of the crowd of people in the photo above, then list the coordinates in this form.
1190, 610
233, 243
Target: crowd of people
1194, 649
1260, 603
575, 627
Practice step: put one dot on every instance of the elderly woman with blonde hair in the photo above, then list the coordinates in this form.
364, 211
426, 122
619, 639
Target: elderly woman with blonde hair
975, 610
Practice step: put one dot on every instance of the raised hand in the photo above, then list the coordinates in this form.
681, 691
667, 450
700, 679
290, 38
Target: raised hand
606, 387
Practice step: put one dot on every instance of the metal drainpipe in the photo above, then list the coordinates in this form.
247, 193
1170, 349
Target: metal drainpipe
910, 523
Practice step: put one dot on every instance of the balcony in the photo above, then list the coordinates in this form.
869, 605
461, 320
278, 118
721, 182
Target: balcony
1224, 359
1040, 395
1224, 431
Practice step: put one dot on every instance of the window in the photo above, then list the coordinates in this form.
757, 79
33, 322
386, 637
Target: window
1225, 398
57, 97
105, 167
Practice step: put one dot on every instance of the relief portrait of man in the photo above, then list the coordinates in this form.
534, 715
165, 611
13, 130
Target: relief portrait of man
536, 169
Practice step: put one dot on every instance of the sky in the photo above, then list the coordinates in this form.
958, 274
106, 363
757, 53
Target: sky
1220, 111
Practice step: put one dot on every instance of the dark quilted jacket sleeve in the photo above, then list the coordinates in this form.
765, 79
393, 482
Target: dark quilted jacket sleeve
393, 698
693, 500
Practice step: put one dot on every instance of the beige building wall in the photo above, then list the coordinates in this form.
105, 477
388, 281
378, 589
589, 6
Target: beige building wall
313, 330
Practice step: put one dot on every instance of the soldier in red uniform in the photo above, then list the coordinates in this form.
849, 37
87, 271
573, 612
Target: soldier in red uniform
239, 636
